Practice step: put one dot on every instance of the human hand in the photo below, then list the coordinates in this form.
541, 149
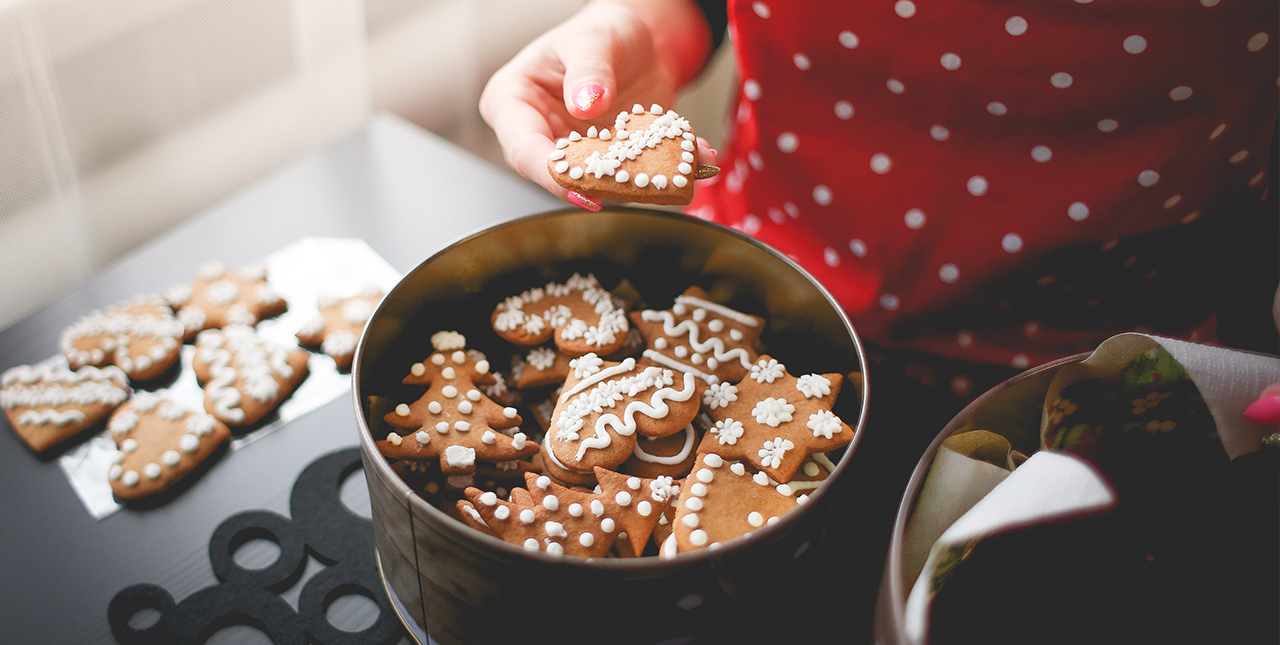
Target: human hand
607, 54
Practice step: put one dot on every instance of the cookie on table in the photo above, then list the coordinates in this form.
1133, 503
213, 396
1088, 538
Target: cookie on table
605, 405
245, 376
141, 337
650, 156
219, 297
709, 340
773, 419
453, 422
338, 324
723, 499
160, 442
49, 404
578, 314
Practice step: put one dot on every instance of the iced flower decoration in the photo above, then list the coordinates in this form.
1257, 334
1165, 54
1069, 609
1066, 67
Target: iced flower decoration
719, 395
772, 452
767, 371
824, 424
586, 365
813, 386
773, 412
728, 431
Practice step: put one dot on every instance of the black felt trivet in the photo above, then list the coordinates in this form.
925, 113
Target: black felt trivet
321, 526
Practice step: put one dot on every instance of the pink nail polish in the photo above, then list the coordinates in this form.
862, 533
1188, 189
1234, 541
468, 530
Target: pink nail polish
586, 95
1265, 410
580, 200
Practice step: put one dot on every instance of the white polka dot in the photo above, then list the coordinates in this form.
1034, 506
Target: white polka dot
844, 110
881, 163
1061, 80
889, 302
939, 133
831, 257
858, 248
977, 185
1031, 328
904, 8
822, 195
914, 219
1015, 25
997, 108
1135, 44
949, 273
1191, 217
1108, 125
755, 160
1172, 201
1210, 3
801, 61
1148, 178
751, 89
788, 142
1020, 361
950, 61
776, 215
791, 209
1239, 156
1078, 211
896, 86
1011, 242
761, 9
961, 385
1217, 132
848, 39
1257, 41
964, 338
1041, 154
751, 224
1180, 93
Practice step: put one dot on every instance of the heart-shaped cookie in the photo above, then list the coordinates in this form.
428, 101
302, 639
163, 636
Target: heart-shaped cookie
160, 442
650, 156
48, 404
244, 375
142, 337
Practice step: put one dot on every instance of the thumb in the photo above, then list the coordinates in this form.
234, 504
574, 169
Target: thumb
590, 84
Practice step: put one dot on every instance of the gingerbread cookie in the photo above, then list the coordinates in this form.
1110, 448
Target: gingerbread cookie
698, 336
219, 297
567, 521
454, 422
670, 456
723, 499
160, 443
650, 156
244, 375
579, 314
141, 337
541, 366
337, 326
605, 405
774, 419
49, 404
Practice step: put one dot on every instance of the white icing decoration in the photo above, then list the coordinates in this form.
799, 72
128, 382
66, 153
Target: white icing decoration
825, 424
447, 341
605, 394
767, 371
685, 450
772, 452
719, 395
814, 386
728, 431
773, 412
460, 456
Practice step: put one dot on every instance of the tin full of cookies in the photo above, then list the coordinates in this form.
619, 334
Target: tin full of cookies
451, 580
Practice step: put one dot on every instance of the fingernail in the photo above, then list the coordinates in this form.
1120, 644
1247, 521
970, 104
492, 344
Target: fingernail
578, 199
715, 153
586, 95
1265, 410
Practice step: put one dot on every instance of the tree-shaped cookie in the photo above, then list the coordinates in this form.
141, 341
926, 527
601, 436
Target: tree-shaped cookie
219, 297
570, 521
579, 314
774, 419
48, 404
698, 336
454, 421
141, 337
723, 499
338, 323
604, 406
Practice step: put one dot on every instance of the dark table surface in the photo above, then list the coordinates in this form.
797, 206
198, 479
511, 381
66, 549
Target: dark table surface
405, 192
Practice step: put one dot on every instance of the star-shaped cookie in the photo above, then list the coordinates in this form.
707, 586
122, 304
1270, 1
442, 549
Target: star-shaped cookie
773, 419
701, 337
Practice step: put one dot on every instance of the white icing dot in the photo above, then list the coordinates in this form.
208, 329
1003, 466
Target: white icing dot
1148, 178
1135, 44
488, 498
644, 508
881, 163
848, 39
623, 498
502, 512
949, 273
551, 503
914, 219
950, 61
1011, 242
527, 516
705, 476
1015, 25
690, 520
449, 373
449, 391
1180, 93
693, 504
844, 110
1061, 80
698, 489
171, 458
754, 518
1078, 211
977, 185
434, 407
151, 470
189, 443
1041, 154
822, 195
586, 539
608, 525
418, 369
641, 180
904, 8
801, 61
130, 478
698, 537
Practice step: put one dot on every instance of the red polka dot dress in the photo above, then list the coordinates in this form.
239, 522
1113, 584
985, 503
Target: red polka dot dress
1002, 183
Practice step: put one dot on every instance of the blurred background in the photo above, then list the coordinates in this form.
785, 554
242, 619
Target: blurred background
121, 118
